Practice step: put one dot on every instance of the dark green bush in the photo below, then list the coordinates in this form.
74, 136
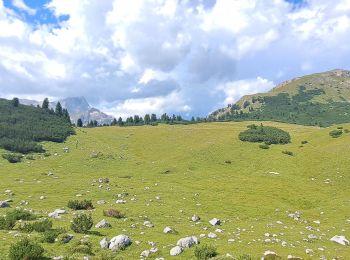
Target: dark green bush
7, 223
38, 226
20, 214
113, 213
82, 247
80, 205
339, 127
304, 142
346, 130
244, 257
49, 236
336, 133
82, 223
288, 153
12, 157
266, 134
205, 252
26, 250
30, 157
264, 146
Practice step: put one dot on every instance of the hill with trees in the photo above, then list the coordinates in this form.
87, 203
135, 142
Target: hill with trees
22, 127
320, 99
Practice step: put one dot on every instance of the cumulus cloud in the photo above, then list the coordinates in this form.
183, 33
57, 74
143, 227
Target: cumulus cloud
147, 56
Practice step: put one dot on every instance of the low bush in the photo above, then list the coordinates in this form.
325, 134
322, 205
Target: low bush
82, 223
336, 133
304, 142
244, 257
288, 153
12, 157
80, 205
205, 252
26, 250
20, 214
346, 131
49, 236
266, 134
7, 223
82, 247
113, 213
38, 226
30, 157
264, 146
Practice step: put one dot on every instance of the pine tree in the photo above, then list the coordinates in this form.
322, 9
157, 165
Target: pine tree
147, 119
153, 118
45, 104
114, 122
15, 102
120, 121
79, 123
58, 109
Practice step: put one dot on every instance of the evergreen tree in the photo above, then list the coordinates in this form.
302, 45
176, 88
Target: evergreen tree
153, 118
192, 119
79, 123
95, 123
58, 109
66, 115
147, 119
45, 104
120, 121
15, 102
114, 122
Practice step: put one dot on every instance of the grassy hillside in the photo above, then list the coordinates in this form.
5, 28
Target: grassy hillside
21, 127
185, 166
319, 99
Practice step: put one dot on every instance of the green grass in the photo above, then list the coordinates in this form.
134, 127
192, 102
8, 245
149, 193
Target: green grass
185, 166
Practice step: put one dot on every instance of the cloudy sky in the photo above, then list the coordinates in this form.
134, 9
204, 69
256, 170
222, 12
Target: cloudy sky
177, 56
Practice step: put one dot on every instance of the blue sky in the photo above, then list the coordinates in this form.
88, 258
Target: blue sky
147, 56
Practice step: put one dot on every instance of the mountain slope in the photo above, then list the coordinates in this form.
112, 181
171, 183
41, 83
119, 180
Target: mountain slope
318, 99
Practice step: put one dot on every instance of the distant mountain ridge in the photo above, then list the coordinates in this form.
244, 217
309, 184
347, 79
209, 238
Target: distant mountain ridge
317, 99
78, 107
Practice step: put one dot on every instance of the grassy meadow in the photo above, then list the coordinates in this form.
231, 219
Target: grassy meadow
184, 165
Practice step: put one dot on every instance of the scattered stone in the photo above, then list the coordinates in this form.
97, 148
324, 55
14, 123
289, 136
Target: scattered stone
103, 224
317, 222
104, 243
176, 251
187, 242
340, 240
212, 235
49, 174
119, 242
4, 204
291, 257
309, 251
58, 257
64, 238
215, 222
120, 202
56, 213
168, 230
145, 253
101, 202
148, 224
296, 215
270, 255
195, 218
202, 235
42, 197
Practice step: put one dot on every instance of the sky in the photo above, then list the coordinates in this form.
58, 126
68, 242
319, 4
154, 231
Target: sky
186, 57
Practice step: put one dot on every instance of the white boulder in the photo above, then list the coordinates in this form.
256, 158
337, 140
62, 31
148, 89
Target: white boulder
187, 242
167, 230
119, 242
104, 243
103, 224
215, 222
340, 240
176, 251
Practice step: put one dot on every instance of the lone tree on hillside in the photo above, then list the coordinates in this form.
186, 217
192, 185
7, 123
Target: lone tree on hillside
79, 123
45, 104
58, 109
15, 102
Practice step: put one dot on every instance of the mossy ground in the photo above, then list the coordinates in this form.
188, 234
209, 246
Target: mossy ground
185, 166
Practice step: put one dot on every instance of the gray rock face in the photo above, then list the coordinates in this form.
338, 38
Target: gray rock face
187, 242
176, 251
340, 240
4, 204
119, 242
215, 222
104, 243
103, 224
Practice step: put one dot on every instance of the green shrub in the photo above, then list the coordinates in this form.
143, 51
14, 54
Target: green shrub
113, 213
266, 134
82, 247
346, 130
264, 146
30, 157
82, 223
7, 223
26, 250
244, 257
80, 205
288, 153
47, 154
63, 238
12, 157
304, 142
20, 214
49, 236
38, 226
336, 133
339, 127
205, 252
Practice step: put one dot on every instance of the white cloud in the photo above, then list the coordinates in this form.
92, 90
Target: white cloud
141, 55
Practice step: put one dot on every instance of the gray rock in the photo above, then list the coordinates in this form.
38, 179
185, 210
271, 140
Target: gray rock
145, 253
168, 230
101, 202
195, 218
176, 251
56, 213
103, 224
291, 257
57, 258
215, 222
148, 224
270, 255
119, 242
4, 204
187, 242
340, 240
212, 235
104, 243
